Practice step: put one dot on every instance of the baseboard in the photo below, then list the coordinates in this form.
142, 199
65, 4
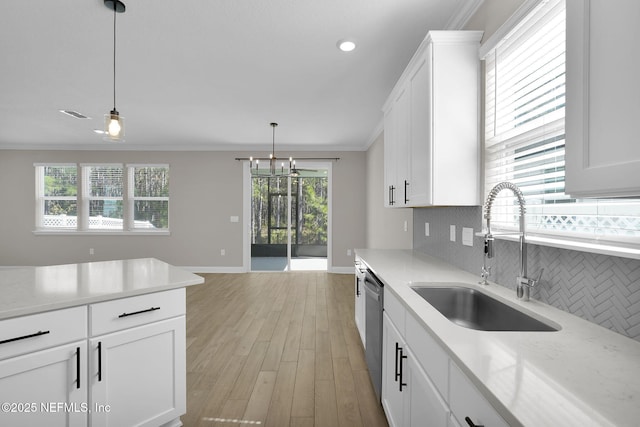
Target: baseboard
342, 270
205, 270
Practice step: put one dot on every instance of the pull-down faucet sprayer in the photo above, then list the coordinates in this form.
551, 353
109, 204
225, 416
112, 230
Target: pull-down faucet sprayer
523, 283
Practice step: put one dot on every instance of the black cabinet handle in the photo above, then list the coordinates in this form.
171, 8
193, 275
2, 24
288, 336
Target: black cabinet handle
471, 423
402, 356
357, 286
24, 337
77, 367
139, 312
396, 363
405, 191
391, 191
100, 361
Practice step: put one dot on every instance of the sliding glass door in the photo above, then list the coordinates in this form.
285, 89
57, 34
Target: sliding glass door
289, 221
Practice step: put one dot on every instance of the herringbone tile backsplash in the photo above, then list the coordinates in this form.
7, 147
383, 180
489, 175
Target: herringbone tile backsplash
601, 289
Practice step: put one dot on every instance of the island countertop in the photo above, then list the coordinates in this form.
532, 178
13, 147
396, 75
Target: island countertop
32, 290
581, 375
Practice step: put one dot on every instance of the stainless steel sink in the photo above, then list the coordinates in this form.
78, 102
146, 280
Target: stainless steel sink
475, 310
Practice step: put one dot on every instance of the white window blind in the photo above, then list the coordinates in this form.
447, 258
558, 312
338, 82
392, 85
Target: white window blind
103, 196
524, 136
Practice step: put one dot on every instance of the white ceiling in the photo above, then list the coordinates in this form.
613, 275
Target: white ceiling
208, 74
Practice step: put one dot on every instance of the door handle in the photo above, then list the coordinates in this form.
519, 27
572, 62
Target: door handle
77, 367
24, 337
402, 384
396, 363
471, 423
100, 361
405, 191
139, 312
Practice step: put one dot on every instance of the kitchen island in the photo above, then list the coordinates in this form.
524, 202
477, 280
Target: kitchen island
100, 343
579, 375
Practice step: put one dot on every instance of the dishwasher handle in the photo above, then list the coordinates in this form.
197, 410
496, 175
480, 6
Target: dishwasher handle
372, 289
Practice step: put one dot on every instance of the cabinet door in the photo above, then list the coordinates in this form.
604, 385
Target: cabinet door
45, 388
603, 98
421, 124
466, 401
402, 123
390, 157
425, 407
138, 376
392, 363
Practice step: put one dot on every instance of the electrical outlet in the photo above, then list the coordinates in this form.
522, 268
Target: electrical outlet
452, 233
234, 218
348, 252
91, 251
223, 252
426, 229
406, 225
467, 236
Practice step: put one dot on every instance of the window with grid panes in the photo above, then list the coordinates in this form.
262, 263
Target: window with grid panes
524, 136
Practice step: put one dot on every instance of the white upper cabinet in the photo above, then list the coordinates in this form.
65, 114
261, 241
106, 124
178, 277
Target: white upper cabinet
603, 98
432, 125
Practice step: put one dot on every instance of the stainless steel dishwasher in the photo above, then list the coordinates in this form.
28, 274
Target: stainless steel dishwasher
373, 329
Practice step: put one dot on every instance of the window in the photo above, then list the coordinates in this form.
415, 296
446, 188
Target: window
103, 197
524, 136
56, 196
149, 186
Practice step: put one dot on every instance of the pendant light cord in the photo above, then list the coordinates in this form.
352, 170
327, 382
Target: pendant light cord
115, 6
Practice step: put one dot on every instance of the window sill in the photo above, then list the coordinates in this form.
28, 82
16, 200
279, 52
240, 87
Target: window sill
587, 245
100, 233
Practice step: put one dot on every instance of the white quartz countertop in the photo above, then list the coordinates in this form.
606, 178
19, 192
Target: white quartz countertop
581, 375
36, 289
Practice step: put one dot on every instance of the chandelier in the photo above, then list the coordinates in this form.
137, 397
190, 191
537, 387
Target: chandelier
274, 170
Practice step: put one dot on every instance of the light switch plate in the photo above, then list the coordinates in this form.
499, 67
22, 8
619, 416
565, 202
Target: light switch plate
234, 218
426, 229
452, 233
467, 236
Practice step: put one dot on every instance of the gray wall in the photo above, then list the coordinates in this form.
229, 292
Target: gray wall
206, 189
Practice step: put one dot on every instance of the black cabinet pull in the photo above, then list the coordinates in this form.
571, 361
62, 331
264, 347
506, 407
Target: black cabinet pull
357, 286
139, 312
77, 367
471, 424
397, 372
391, 190
402, 384
405, 191
100, 361
24, 337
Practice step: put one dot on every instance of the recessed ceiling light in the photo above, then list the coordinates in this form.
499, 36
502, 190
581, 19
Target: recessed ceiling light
346, 45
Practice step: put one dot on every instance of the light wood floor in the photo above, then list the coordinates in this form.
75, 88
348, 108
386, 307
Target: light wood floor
276, 349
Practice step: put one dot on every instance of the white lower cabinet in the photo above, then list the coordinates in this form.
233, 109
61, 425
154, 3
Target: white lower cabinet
409, 398
468, 406
119, 363
138, 375
45, 388
425, 405
421, 386
392, 395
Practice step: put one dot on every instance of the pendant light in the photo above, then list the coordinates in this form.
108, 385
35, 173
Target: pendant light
113, 122
274, 171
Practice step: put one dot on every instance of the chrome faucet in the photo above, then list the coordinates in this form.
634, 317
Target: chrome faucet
523, 283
